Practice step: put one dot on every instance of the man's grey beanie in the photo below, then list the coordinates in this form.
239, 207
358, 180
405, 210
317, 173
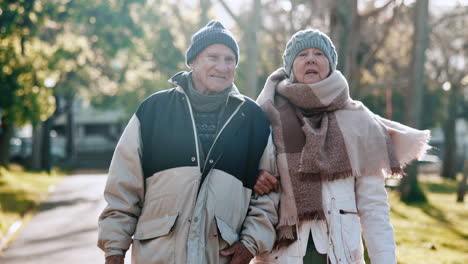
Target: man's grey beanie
309, 38
214, 32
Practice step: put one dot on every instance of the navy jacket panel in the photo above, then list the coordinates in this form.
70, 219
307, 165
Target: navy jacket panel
169, 138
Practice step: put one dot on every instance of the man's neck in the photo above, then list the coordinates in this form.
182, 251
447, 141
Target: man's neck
204, 90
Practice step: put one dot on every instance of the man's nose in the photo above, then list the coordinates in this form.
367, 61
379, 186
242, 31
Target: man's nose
222, 66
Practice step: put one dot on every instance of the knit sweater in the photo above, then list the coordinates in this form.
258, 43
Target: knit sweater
207, 126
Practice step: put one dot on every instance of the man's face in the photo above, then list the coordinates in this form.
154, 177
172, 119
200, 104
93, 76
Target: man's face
214, 69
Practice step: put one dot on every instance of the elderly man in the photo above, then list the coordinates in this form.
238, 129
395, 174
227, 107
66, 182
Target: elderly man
181, 178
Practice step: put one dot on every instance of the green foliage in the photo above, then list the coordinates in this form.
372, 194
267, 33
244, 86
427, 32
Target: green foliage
73, 42
21, 192
24, 97
147, 71
168, 58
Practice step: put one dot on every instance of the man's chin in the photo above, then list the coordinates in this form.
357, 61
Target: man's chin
215, 89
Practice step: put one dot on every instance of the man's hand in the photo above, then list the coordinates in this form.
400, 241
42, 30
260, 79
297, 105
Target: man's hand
265, 183
115, 259
240, 254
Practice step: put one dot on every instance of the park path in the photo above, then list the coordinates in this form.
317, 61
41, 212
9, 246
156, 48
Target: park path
65, 228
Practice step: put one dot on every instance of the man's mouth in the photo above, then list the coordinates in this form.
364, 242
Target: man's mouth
218, 77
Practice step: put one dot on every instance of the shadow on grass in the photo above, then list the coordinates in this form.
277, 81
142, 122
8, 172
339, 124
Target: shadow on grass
439, 216
398, 213
441, 188
16, 202
434, 212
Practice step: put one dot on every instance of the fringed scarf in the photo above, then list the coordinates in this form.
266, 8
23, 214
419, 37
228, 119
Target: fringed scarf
321, 134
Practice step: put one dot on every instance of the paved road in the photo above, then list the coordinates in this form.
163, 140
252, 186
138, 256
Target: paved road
65, 229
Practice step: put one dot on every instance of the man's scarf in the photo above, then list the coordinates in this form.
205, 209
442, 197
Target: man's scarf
321, 134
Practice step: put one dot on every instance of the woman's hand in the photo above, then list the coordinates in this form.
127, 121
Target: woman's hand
266, 183
115, 259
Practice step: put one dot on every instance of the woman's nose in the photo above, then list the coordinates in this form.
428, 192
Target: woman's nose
310, 59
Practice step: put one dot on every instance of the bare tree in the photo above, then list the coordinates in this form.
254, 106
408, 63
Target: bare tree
204, 8
350, 32
250, 31
462, 187
409, 188
448, 65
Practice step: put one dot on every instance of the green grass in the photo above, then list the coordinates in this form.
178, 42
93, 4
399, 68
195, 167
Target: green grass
20, 193
433, 232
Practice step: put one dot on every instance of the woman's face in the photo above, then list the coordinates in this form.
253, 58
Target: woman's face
310, 66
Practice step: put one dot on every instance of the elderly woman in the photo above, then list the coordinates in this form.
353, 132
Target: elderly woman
332, 155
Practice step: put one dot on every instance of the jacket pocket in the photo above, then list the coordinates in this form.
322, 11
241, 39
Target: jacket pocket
351, 235
227, 233
154, 228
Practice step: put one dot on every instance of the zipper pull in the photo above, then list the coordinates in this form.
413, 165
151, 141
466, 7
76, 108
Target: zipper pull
347, 212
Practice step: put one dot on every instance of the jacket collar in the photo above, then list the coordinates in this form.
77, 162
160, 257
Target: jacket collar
181, 79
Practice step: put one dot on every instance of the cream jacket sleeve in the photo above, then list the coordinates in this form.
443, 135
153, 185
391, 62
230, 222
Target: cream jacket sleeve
124, 193
258, 233
373, 208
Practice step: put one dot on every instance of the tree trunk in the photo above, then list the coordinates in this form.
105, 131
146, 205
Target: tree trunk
450, 138
344, 32
409, 187
70, 130
35, 161
463, 183
252, 51
46, 160
250, 30
5, 136
204, 8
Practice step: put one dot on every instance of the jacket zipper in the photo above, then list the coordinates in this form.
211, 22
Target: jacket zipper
194, 129
220, 131
330, 224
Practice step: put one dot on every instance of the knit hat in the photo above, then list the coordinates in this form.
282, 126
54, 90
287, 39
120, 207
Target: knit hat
309, 38
214, 32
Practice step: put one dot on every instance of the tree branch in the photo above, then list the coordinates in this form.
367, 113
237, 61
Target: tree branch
182, 23
236, 18
377, 10
384, 36
448, 16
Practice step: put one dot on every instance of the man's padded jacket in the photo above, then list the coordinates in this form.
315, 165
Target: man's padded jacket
160, 199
